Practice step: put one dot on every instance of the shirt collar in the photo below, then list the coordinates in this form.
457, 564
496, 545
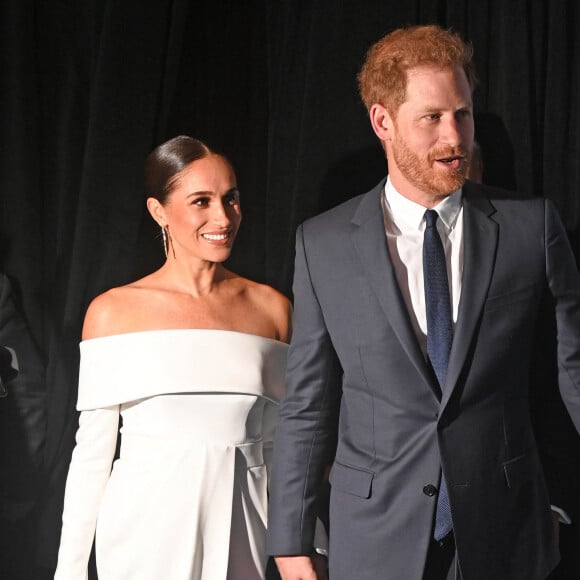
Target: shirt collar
407, 214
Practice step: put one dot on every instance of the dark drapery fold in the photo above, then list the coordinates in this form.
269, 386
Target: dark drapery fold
88, 88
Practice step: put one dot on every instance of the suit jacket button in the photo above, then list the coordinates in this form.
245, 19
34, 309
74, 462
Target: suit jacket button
430, 490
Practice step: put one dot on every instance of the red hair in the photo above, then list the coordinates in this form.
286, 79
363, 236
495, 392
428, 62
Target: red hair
383, 76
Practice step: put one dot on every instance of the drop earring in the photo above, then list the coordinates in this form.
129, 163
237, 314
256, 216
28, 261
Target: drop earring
165, 240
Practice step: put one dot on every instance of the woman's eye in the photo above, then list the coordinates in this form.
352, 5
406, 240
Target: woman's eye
201, 202
232, 198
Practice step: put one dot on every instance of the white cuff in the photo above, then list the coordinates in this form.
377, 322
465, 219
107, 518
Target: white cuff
564, 517
320, 538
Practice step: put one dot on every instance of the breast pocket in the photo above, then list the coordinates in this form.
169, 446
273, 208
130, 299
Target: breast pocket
512, 298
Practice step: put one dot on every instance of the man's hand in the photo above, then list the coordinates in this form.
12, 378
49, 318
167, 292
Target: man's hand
302, 567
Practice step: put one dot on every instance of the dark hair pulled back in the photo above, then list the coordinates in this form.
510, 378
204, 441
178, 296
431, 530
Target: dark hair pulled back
167, 160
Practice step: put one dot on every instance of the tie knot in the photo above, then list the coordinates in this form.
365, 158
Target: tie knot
431, 218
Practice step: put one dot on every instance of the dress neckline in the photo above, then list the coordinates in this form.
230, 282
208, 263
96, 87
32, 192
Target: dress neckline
155, 332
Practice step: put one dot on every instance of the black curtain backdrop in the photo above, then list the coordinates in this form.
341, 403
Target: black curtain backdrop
88, 87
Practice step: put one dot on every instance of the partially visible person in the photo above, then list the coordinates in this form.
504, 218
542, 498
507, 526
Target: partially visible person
416, 318
22, 435
191, 359
8, 368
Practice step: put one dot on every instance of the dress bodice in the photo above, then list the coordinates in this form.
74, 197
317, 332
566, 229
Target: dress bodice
195, 418
187, 497
127, 367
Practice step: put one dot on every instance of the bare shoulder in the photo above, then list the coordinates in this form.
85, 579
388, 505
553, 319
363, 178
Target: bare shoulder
273, 299
272, 304
110, 312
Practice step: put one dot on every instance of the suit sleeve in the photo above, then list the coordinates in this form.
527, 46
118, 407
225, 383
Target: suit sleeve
306, 432
557, 439
564, 282
88, 475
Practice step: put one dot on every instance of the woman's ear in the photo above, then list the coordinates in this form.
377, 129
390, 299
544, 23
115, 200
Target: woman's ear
157, 211
381, 122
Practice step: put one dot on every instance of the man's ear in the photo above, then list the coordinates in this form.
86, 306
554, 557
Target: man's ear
381, 122
157, 211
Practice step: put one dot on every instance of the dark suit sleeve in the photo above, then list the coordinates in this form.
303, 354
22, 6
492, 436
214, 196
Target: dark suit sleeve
558, 441
557, 361
22, 413
306, 433
564, 283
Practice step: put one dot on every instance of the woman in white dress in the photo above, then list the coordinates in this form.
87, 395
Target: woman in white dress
189, 361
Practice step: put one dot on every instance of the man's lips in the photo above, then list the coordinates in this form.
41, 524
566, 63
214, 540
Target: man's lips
452, 162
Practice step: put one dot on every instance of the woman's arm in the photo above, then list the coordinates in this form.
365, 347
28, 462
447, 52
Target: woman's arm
89, 471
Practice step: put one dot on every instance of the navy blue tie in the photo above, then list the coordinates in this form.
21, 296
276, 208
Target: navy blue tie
439, 336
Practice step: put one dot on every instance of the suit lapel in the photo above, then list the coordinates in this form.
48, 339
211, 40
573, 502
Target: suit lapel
369, 239
479, 246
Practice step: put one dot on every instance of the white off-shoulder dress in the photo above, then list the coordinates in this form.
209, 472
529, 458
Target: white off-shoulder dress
186, 499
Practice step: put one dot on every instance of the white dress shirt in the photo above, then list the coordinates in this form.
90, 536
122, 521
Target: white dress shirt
405, 227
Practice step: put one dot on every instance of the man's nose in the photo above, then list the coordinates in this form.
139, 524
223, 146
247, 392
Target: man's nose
451, 134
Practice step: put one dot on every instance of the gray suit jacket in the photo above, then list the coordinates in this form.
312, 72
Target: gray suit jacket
359, 390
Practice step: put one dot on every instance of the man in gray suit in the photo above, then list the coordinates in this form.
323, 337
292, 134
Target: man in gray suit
414, 334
